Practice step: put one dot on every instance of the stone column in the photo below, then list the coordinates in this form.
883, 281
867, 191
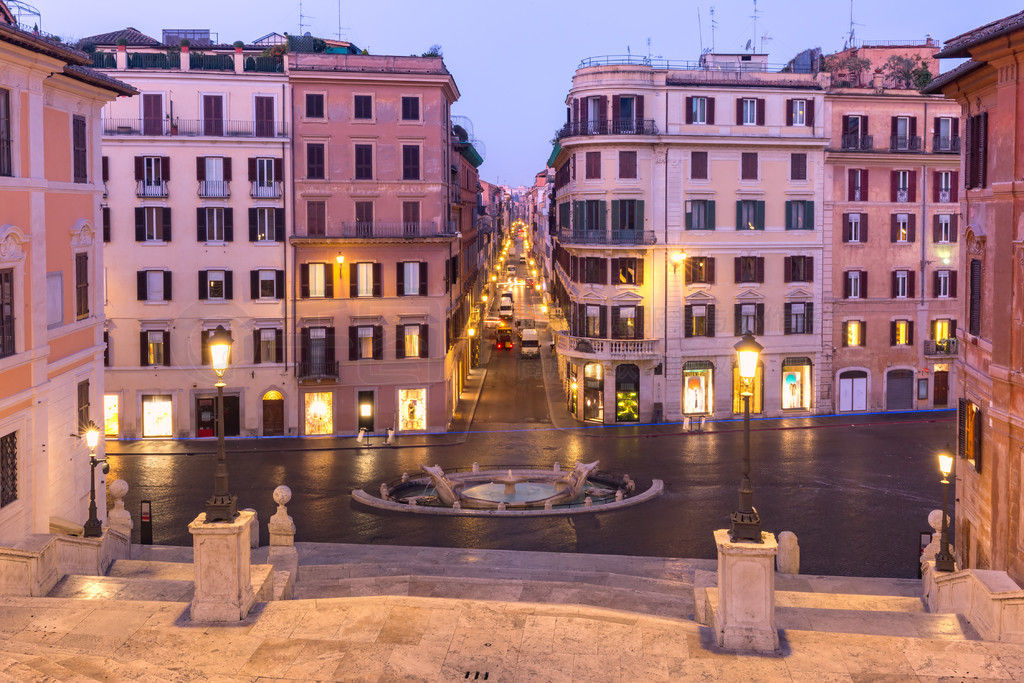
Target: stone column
119, 519
223, 586
745, 617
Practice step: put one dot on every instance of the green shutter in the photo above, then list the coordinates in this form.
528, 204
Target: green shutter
809, 214
615, 214
640, 214
577, 216
689, 215
789, 215
760, 216
602, 216
710, 213
739, 215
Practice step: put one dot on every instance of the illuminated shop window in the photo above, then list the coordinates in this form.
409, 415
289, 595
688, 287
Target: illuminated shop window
110, 414
412, 409
319, 412
796, 384
737, 384
698, 380
627, 396
156, 416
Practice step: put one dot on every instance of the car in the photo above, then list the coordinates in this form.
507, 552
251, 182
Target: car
525, 324
510, 269
503, 338
529, 345
529, 282
492, 320
522, 259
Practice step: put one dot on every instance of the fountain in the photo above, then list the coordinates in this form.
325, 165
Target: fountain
527, 489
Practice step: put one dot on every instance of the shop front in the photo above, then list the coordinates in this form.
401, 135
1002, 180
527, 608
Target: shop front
698, 387
111, 407
757, 399
627, 393
412, 410
157, 411
593, 392
796, 383
318, 412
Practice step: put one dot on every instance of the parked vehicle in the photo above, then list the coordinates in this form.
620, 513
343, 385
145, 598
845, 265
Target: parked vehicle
529, 347
503, 338
506, 310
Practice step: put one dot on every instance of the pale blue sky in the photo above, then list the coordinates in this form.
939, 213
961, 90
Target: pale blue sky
513, 62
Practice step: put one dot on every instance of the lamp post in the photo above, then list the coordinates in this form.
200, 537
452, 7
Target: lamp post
222, 506
944, 559
93, 527
746, 524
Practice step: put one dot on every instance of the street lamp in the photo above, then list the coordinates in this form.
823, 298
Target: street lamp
93, 527
746, 524
944, 559
222, 506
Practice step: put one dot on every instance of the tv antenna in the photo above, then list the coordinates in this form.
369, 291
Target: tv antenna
340, 27
700, 33
752, 43
764, 37
302, 18
714, 25
851, 39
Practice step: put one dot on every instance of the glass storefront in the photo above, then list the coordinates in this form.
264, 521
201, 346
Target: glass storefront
412, 409
796, 383
110, 414
593, 392
319, 412
627, 393
698, 387
156, 416
757, 399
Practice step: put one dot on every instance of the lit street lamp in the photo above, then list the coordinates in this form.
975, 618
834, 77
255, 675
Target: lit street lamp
944, 559
746, 524
222, 506
93, 527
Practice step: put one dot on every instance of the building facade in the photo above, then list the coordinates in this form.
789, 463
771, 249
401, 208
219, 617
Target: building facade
989, 517
51, 278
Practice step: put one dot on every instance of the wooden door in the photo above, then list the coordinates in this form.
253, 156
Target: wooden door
152, 114
213, 115
273, 417
264, 117
940, 390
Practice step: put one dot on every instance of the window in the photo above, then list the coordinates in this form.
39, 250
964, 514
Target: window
943, 333
699, 165
943, 228
80, 156
410, 109
81, 286
314, 105
627, 164
412, 278
901, 228
8, 469
901, 333
974, 303
904, 186
410, 162
946, 134
152, 175
266, 284
800, 215
364, 342
855, 133
627, 393
154, 285
624, 116
749, 268
799, 268
268, 346
593, 321
214, 176
7, 312
364, 218
627, 214
264, 174
212, 224
6, 157
411, 218
944, 284
697, 111
857, 187
593, 165
749, 318
362, 107
83, 406
627, 271
54, 299
315, 161
156, 415
627, 322
798, 166
748, 166
902, 284
853, 332
156, 346
215, 285
855, 285
410, 337
855, 227
698, 385
700, 270
700, 214
316, 218
316, 281
904, 133
589, 215
796, 383
364, 162
364, 279
749, 214
969, 433
976, 152
799, 113
263, 224
748, 110
699, 320
798, 318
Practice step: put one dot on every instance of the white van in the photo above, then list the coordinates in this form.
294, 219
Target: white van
530, 345
505, 308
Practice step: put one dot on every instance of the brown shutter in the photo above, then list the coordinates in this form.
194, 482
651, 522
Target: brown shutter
759, 319
787, 269
399, 341
256, 346
953, 227
304, 281
789, 112
912, 193
737, 266
863, 227
935, 186
954, 189
227, 169
844, 337
760, 111
935, 285
912, 227
739, 111
863, 284
809, 113
143, 349
639, 271
846, 227
895, 285
329, 281
105, 173
140, 168
846, 125
935, 228
911, 284
710, 320
689, 110
165, 168
400, 278
952, 292
711, 111
787, 318
893, 185
893, 228
377, 284
252, 169
850, 181
846, 285
353, 280
353, 342
639, 107
759, 269
711, 270
424, 340
200, 169
616, 107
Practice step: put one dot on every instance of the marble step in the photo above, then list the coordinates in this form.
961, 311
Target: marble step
29, 661
150, 581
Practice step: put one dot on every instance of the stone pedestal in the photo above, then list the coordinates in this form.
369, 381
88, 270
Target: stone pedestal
223, 586
745, 618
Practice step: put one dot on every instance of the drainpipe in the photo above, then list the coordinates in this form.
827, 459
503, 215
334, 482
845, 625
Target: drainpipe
924, 216
664, 317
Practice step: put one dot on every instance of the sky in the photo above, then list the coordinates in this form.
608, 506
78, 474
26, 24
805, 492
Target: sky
513, 61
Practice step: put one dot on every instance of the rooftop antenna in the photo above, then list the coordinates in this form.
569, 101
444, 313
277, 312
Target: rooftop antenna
851, 39
714, 25
302, 18
700, 33
752, 44
764, 37
340, 27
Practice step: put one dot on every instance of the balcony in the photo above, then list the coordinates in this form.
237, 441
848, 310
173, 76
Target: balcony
856, 141
904, 143
318, 370
943, 144
104, 60
199, 61
608, 349
214, 188
263, 65
196, 128
400, 230
151, 188
624, 237
941, 348
609, 127
902, 194
945, 196
258, 190
154, 60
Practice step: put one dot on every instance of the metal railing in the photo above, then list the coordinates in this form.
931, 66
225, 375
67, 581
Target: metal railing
686, 65
216, 62
151, 188
318, 370
570, 236
154, 60
214, 188
7, 336
909, 143
850, 141
104, 60
607, 348
380, 229
609, 127
941, 347
263, 65
902, 194
946, 144
196, 128
945, 195
265, 191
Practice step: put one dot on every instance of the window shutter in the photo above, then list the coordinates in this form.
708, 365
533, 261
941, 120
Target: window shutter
603, 272
639, 271
844, 339
912, 190
809, 214
254, 284
809, 318
961, 425
935, 185
253, 225
304, 281
353, 342
639, 331
166, 223
141, 285
200, 224
602, 215
140, 224
760, 111
759, 269
202, 285
689, 110
711, 111
846, 125
846, 285
892, 333
863, 227
787, 269
711, 320
968, 151
329, 280
400, 278
737, 268
787, 319
603, 331
789, 215
688, 271
140, 168
894, 228
399, 341
204, 347
165, 168
808, 269
974, 305
378, 342
739, 214
688, 320
252, 169
279, 225
200, 169
106, 222
639, 99
353, 280
863, 284
758, 319
105, 171
424, 340
864, 125
809, 113
711, 270
710, 212
893, 185
977, 441
850, 182
911, 284
227, 169
759, 213
615, 271
615, 323
737, 315
893, 125
954, 227
229, 290
304, 345
615, 214
846, 227
423, 278
639, 214
330, 353
864, 184
935, 283
789, 112
952, 284
894, 285
377, 285
616, 108
912, 227
910, 332
983, 149
936, 228
913, 131
167, 285
954, 187
144, 349
256, 346
229, 225
739, 111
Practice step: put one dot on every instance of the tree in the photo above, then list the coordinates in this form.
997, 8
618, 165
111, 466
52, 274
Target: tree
846, 70
907, 72
433, 51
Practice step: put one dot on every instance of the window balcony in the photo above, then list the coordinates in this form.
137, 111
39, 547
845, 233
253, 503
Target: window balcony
943, 144
904, 143
945, 348
318, 370
151, 189
624, 237
397, 230
902, 194
214, 188
857, 141
609, 127
259, 190
196, 128
607, 349
945, 195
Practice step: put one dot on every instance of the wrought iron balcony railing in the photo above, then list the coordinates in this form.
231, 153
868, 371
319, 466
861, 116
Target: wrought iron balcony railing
902, 195
151, 188
943, 144
609, 127
388, 230
855, 141
909, 143
260, 190
196, 128
941, 347
570, 236
318, 370
945, 195
214, 188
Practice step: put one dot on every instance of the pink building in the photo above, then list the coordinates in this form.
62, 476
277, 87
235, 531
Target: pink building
51, 269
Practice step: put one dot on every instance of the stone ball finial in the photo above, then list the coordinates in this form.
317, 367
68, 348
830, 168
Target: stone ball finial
282, 494
935, 520
118, 488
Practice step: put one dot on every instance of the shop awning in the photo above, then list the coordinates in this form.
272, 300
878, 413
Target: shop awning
796, 360
554, 153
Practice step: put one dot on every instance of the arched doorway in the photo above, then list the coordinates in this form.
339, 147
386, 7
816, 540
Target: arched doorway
899, 390
273, 413
853, 391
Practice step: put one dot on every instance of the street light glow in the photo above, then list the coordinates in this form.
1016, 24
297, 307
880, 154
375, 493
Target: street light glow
92, 435
220, 349
945, 465
747, 351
